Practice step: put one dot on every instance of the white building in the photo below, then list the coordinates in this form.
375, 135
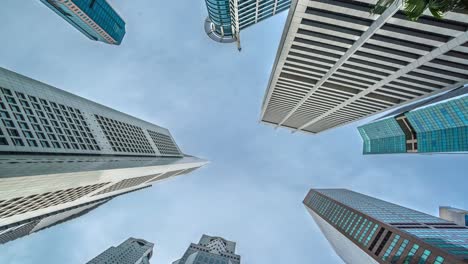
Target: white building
60, 152
210, 250
338, 63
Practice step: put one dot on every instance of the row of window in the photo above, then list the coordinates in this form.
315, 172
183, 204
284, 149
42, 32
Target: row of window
37, 122
347, 221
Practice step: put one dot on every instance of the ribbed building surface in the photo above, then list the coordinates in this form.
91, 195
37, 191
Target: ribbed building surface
61, 153
363, 229
436, 125
337, 63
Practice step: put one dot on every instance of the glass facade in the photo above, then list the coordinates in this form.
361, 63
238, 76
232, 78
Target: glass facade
437, 127
226, 18
442, 127
383, 136
94, 18
389, 232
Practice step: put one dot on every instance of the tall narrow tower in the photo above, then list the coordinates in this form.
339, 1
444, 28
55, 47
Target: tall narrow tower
61, 154
131, 251
210, 250
227, 18
364, 229
96, 19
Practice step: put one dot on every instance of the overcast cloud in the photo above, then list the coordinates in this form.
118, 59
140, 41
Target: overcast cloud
167, 71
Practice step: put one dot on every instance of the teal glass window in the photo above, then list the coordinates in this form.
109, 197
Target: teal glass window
411, 254
400, 251
390, 248
424, 257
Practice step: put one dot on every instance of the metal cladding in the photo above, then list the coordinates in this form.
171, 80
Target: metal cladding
338, 63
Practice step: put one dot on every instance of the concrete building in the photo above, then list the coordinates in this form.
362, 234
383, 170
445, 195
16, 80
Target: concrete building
363, 229
458, 216
337, 63
227, 18
131, 251
435, 125
96, 19
61, 153
216, 250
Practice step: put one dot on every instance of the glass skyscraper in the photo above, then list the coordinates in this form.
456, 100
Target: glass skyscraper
94, 18
62, 155
226, 18
131, 251
212, 250
363, 229
438, 124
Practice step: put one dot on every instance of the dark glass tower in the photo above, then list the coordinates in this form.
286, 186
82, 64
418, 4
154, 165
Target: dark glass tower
94, 18
363, 229
438, 124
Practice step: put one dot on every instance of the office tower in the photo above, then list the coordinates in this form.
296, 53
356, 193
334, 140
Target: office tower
458, 216
61, 154
437, 124
363, 229
337, 63
210, 250
96, 19
227, 18
131, 251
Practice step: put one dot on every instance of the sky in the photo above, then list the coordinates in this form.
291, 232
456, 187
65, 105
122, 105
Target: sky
209, 95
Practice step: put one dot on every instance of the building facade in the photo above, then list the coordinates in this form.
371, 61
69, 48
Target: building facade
131, 251
338, 63
226, 18
458, 216
96, 19
363, 229
61, 153
214, 250
438, 124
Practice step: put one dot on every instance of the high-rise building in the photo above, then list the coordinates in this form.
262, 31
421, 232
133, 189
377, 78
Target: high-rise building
437, 124
227, 18
131, 251
363, 229
96, 19
210, 250
458, 216
61, 154
338, 63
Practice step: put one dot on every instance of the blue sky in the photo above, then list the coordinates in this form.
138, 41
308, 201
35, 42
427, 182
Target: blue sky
167, 71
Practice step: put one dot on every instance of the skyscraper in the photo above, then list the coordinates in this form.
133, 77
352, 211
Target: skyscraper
458, 216
61, 154
227, 18
131, 251
337, 63
96, 19
438, 124
363, 229
216, 250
